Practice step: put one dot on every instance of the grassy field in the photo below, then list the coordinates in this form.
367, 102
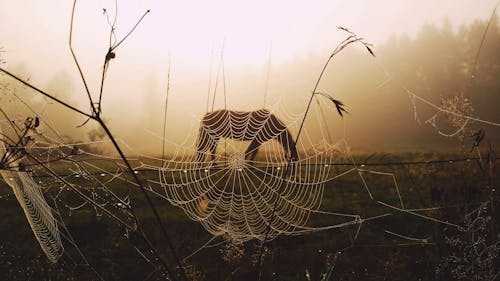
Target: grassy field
388, 248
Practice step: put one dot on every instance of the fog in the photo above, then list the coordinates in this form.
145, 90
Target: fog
284, 43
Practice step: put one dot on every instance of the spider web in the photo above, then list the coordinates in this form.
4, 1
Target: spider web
243, 199
40, 193
37, 211
236, 197
253, 199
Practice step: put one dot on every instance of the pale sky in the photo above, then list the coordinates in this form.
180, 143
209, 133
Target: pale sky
35, 34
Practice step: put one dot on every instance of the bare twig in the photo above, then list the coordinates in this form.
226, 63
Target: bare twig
21, 152
166, 110
95, 115
12, 124
352, 38
82, 195
268, 72
76, 60
112, 47
483, 38
221, 59
210, 78
45, 94
130, 32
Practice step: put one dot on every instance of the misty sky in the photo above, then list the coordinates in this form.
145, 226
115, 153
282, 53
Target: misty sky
34, 35
35, 32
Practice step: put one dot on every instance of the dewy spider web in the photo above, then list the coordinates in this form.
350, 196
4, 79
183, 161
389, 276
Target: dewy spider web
34, 187
37, 211
35, 184
245, 198
234, 196
238, 197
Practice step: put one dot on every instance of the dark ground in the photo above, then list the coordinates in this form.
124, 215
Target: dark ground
458, 188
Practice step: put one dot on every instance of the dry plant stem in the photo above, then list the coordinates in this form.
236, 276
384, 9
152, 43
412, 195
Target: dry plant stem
107, 57
130, 32
110, 54
104, 69
11, 124
210, 79
81, 194
97, 118
323, 119
8, 158
6, 140
339, 48
268, 231
166, 111
14, 127
110, 214
35, 113
259, 263
352, 38
483, 37
146, 195
224, 86
152, 247
287, 169
44, 93
76, 61
268, 72
217, 76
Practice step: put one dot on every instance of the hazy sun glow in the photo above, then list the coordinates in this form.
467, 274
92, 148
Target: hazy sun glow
191, 34
192, 30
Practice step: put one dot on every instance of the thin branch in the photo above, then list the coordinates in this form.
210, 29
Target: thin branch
166, 110
45, 94
6, 139
76, 60
268, 71
64, 157
146, 195
218, 74
96, 117
483, 38
15, 127
130, 32
136, 227
151, 246
352, 38
110, 54
81, 194
210, 78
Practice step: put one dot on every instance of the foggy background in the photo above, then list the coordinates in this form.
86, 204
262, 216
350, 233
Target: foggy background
426, 47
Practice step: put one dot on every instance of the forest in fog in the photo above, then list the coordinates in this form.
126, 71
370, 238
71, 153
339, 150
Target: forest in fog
440, 63
259, 140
